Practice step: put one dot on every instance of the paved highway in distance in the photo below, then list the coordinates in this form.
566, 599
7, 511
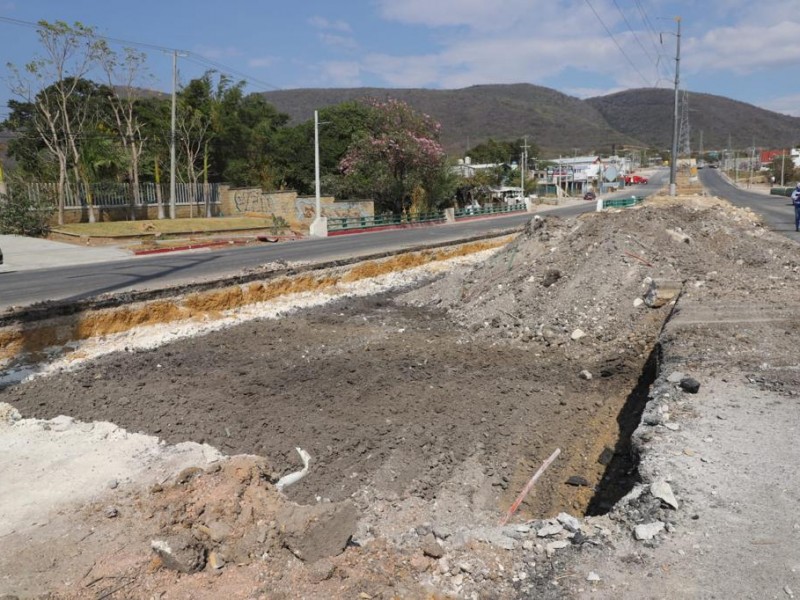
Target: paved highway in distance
165, 270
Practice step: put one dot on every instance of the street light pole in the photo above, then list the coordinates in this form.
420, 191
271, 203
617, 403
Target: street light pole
172, 159
319, 226
673, 168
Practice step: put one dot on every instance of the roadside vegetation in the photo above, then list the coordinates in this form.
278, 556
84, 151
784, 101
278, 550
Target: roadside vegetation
83, 116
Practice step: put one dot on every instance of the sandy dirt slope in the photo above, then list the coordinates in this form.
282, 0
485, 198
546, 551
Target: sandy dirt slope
426, 410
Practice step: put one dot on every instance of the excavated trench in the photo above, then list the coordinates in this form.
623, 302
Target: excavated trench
382, 394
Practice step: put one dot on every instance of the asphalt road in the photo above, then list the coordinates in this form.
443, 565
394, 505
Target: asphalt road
160, 271
777, 211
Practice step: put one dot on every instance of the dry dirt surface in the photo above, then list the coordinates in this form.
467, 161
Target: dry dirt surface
425, 411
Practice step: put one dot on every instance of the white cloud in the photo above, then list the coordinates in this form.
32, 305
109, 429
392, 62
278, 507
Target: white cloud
746, 48
338, 41
476, 14
341, 74
324, 24
788, 105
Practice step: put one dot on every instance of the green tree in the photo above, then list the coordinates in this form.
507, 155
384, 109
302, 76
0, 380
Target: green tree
398, 155
493, 151
69, 54
292, 148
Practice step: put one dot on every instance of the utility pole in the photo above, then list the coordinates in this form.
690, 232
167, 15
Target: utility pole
783, 166
523, 165
319, 226
172, 160
673, 168
752, 163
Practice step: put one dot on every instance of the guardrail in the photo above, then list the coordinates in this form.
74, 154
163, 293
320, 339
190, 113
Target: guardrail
347, 223
781, 191
490, 210
619, 202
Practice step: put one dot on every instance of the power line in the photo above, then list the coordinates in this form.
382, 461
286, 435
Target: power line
206, 61
613, 39
630, 28
663, 60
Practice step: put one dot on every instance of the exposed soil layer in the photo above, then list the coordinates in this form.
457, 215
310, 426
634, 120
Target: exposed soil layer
355, 383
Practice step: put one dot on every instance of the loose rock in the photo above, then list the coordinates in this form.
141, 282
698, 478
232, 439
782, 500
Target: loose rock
180, 553
663, 491
648, 531
318, 531
689, 385
430, 547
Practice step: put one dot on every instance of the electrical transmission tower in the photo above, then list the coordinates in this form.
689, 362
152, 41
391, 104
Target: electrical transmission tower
684, 143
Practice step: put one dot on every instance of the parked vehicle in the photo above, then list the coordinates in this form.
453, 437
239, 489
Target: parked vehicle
635, 180
590, 196
1, 256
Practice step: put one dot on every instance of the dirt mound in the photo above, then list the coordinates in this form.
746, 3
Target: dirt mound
579, 284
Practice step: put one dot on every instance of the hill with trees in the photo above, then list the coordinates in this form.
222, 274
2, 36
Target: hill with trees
558, 123
553, 121
646, 114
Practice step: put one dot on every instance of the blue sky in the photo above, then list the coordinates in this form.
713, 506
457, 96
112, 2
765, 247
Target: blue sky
748, 51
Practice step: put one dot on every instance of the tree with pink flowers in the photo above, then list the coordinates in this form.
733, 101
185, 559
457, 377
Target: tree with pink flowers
397, 160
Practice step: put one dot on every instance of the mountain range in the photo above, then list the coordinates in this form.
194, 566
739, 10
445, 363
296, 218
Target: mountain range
561, 124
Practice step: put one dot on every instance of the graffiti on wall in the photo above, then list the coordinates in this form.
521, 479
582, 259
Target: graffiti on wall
305, 208
253, 200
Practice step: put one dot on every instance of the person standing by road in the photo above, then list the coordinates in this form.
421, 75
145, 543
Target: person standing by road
796, 202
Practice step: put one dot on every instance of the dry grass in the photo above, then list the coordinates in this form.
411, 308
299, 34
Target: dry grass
165, 226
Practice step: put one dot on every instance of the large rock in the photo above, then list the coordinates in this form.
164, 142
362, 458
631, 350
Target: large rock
180, 553
317, 531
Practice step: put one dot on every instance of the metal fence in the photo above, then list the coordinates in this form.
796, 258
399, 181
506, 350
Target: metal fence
107, 195
489, 209
344, 223
622, 202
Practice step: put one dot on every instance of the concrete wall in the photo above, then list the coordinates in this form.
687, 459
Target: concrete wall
297, 211
120, 213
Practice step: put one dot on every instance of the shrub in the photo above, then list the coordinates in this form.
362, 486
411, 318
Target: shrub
25, 214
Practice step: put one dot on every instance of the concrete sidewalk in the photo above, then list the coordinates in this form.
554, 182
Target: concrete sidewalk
24, 253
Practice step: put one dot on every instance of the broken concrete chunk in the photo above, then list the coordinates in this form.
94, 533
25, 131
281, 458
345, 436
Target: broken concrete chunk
557, 545
585, 375
678, 236
592, 576
318, 531
662, 291
568, 521
180, 553
675, 377
663, 491
577, 334
647, 531
637, 302
549, 530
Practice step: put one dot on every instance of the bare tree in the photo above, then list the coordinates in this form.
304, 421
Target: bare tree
193, 128
50, 83
121, 76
